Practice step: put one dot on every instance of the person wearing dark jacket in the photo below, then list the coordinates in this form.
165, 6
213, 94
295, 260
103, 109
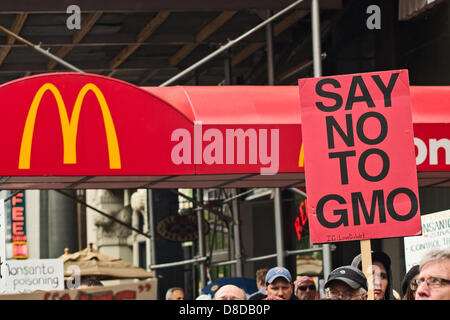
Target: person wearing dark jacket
382, 276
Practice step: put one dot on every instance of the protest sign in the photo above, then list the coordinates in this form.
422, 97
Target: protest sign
361, 177
34, 274
142, 290
359, 159
436, 235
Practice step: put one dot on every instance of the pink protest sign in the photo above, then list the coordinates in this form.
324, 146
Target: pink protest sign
360, 169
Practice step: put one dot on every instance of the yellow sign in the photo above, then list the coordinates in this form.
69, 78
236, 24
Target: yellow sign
69, 127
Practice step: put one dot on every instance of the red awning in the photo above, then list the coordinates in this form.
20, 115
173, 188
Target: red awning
70, 130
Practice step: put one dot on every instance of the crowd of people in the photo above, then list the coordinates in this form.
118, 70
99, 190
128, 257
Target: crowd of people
430, 280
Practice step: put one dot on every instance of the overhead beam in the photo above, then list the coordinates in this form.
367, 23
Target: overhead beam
116, 39
88, 66
86, 26
146, 32
124, 39
277, 29
15, 28
60, 6
201, 36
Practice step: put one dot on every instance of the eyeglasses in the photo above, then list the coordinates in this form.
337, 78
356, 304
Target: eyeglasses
432, 282
311, 287
342, 295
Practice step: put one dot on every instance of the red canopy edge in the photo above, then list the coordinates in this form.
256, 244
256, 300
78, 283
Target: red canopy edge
144, 120
278, 104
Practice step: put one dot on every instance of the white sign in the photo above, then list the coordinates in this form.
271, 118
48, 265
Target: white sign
435, 235
33, 274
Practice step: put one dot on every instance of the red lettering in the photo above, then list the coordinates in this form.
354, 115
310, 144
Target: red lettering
298, 228
303, 213
126, 294
17, 213
83, 296
17, 238
18, 228
301, 221
17, 199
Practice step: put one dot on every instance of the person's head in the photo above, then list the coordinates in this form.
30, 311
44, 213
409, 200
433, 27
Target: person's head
278, 283
434, 276
381, 271
90, 282
380, 280
230, 292
346, 283
305, 288
409, 285
261, 277
175, 293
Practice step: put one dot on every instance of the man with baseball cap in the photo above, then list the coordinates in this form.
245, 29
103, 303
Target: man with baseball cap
346, 283
279, 284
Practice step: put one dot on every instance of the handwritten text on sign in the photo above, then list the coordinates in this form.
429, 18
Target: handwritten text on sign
359, 157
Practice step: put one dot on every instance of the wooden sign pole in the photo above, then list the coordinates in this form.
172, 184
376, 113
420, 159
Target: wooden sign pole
366, 260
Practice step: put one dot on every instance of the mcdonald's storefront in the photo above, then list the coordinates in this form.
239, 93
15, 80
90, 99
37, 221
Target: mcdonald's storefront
80, 131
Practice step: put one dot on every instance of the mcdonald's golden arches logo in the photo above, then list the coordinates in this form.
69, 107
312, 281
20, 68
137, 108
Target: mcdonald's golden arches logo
301, 157
69, 127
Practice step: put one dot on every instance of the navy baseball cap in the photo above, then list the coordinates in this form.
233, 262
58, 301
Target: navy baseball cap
278, 272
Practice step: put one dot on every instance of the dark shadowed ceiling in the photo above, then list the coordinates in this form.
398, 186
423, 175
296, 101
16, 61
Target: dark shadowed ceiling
148, 42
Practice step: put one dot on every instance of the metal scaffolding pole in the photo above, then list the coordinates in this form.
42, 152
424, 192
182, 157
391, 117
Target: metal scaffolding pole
39, 49
317, 62
237, 235
277, 191
316, 42
278, 228
269, 41
227, 69
151, 227
201, 240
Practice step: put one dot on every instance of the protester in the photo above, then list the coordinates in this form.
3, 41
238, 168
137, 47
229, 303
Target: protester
260, 282
346, 283
409, 285
305, 288
230, 292
382, 279
434, 277
278, 283
175, 293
